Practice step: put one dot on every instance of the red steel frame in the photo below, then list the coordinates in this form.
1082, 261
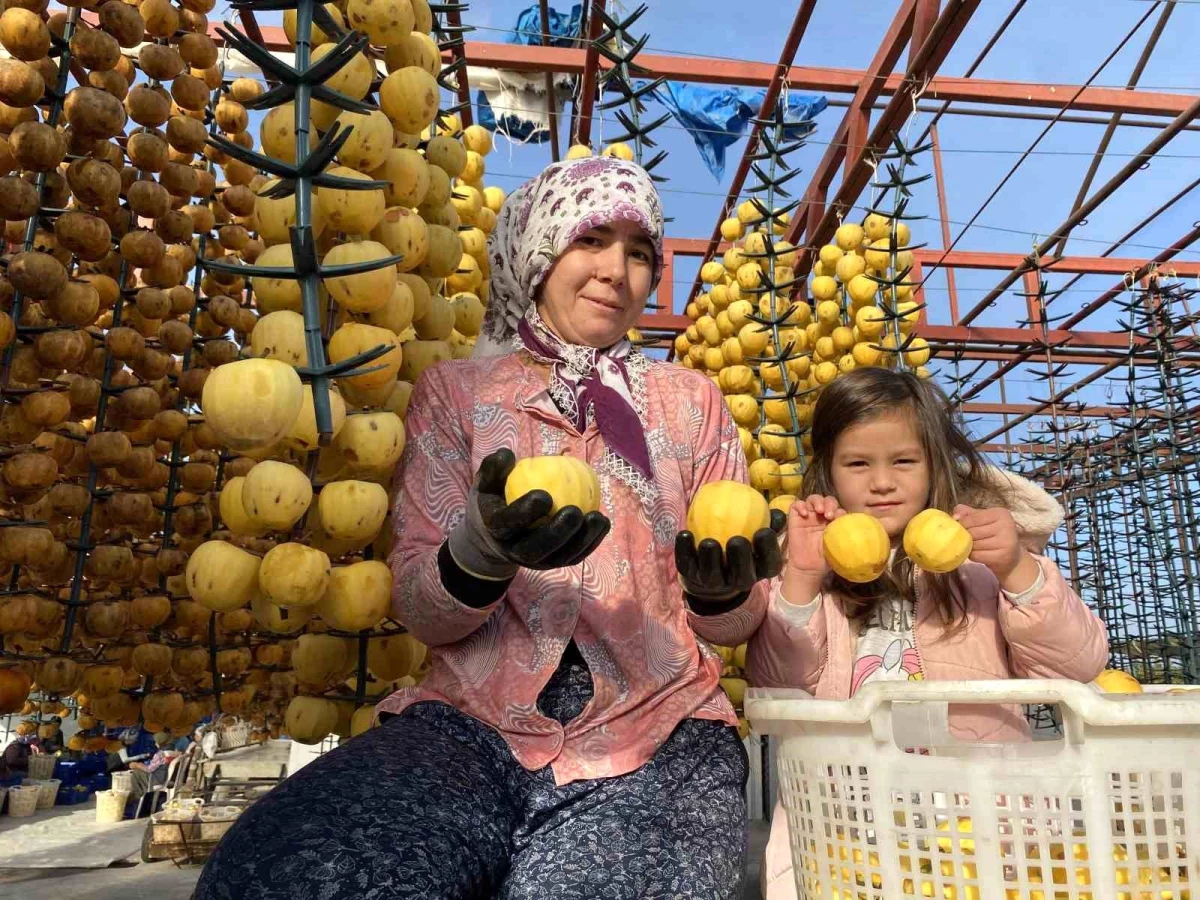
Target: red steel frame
790, 45
824, 79
928, 28
705, 70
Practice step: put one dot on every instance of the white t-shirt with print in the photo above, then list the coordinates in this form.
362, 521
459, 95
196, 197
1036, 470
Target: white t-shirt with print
885, 649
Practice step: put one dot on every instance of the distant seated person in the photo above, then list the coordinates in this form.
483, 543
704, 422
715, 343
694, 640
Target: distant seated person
153, 773
139, 747
53, 743
16, 755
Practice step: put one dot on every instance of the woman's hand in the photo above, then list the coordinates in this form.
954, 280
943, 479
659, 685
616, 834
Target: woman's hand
806, 567
496, 537
713, 574
996, 543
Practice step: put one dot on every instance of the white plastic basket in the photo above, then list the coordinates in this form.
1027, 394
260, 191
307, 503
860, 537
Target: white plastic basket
22, 800
1109, 812
110, 806
47, 793
41, 767
234, 736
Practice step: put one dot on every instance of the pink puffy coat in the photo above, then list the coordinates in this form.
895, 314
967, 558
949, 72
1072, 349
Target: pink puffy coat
1053, 636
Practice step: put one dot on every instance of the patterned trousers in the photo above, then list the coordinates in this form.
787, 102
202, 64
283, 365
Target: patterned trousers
432, 805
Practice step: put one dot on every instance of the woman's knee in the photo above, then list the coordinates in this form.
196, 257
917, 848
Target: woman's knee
402, 806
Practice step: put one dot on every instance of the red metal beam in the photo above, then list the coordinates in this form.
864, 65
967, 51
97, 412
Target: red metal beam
1090, 340
551, 97
944, 215
824, 79
786, 55
924, 64
953, 335
454, 19
1082, 358
848, 142
1073, 357
666, 285
1085, 209
924, 18
582, 120
1137, 274
1016, 409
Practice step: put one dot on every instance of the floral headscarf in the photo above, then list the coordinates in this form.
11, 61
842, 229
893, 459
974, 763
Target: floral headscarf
543, 217
536, 224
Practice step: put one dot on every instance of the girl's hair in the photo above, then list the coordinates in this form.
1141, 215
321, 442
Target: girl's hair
955, 472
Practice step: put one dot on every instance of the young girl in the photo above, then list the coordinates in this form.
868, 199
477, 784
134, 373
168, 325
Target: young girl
884, 443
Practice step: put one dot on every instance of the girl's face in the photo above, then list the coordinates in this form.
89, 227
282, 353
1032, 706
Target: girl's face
879, 467
599, 286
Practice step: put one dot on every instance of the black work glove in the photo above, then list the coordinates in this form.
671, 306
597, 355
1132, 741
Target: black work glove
496, 538
716, 580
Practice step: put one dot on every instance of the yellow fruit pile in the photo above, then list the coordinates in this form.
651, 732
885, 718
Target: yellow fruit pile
172, 393
733, 681
436, 213
838, 326
852, 870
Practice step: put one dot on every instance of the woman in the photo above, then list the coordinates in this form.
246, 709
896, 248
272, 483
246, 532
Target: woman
152, 773
15, 760
570, 739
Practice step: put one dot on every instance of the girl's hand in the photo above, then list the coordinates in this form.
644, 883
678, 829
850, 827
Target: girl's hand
997, 545
806, 567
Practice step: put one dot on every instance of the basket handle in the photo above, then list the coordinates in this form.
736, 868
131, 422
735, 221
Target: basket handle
1071, 693
1080, 703
1071, 696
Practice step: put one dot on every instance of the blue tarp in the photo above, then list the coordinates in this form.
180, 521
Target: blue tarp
717, 117
564, 31
512, 125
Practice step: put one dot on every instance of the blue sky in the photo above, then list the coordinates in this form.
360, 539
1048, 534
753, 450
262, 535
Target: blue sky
1051, 41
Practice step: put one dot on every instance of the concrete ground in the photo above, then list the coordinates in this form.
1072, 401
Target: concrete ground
129, 880
133, 880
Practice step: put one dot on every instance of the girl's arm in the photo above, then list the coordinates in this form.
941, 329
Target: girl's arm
791, 647
1051, 633
789, 650
434, 599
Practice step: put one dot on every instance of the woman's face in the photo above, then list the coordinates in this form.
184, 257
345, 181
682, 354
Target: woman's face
599, 286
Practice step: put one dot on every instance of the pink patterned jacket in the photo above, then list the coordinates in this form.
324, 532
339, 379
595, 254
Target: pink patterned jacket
623, 605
